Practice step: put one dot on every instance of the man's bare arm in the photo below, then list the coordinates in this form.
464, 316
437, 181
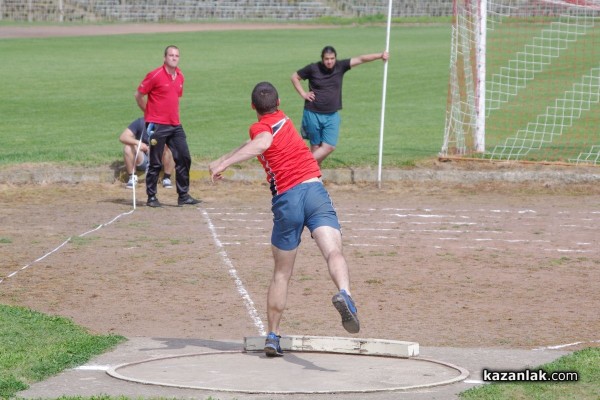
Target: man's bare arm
141, 100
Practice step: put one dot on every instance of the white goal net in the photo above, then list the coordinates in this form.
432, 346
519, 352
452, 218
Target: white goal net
525, 81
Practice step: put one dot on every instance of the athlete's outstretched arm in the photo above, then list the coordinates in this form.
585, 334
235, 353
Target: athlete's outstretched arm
246, 151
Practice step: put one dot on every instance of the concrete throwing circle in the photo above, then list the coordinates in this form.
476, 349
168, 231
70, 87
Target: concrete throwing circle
295, 373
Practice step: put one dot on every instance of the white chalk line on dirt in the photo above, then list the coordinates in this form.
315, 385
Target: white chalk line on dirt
63, 244
562, 346
512, 241
233, 273
396, 230
387, 211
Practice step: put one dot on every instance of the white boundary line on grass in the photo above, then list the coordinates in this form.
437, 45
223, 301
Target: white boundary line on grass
233, 273
62, 244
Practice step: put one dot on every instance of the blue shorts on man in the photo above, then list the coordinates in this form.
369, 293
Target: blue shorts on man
321, 128
306, 204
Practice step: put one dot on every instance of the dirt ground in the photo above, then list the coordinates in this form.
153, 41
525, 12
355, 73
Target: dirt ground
503, 265
500, 265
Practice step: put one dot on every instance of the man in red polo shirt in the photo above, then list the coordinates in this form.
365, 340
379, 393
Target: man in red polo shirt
158, 97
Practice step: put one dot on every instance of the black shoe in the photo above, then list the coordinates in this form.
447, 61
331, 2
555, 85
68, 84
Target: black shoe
153, 202
182, 201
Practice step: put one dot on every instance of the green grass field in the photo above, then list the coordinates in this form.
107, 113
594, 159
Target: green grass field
67, 99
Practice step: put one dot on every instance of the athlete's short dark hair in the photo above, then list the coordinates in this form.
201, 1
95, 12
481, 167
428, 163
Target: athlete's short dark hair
326, 50
265, 97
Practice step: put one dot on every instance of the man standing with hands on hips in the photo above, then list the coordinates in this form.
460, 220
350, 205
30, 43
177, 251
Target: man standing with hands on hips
158, 97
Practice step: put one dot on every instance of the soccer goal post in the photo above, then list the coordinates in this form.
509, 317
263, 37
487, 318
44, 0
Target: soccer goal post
524, 81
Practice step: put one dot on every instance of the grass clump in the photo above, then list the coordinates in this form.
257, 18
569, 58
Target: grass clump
34, 346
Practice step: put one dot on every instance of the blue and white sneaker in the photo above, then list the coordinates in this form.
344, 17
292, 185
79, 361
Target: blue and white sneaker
167, 183
272, 348
131, 182
345, 306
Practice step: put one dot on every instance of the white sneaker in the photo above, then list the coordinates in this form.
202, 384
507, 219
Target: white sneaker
131, 182
167, 183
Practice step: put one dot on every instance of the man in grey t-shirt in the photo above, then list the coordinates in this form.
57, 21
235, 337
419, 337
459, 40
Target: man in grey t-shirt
131, 137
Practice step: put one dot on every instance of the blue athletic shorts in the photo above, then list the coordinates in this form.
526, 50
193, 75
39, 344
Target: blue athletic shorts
306, 204
321, 128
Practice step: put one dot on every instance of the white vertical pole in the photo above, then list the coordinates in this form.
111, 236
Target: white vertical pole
134, 185
481, 69
133, 174
385, 69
